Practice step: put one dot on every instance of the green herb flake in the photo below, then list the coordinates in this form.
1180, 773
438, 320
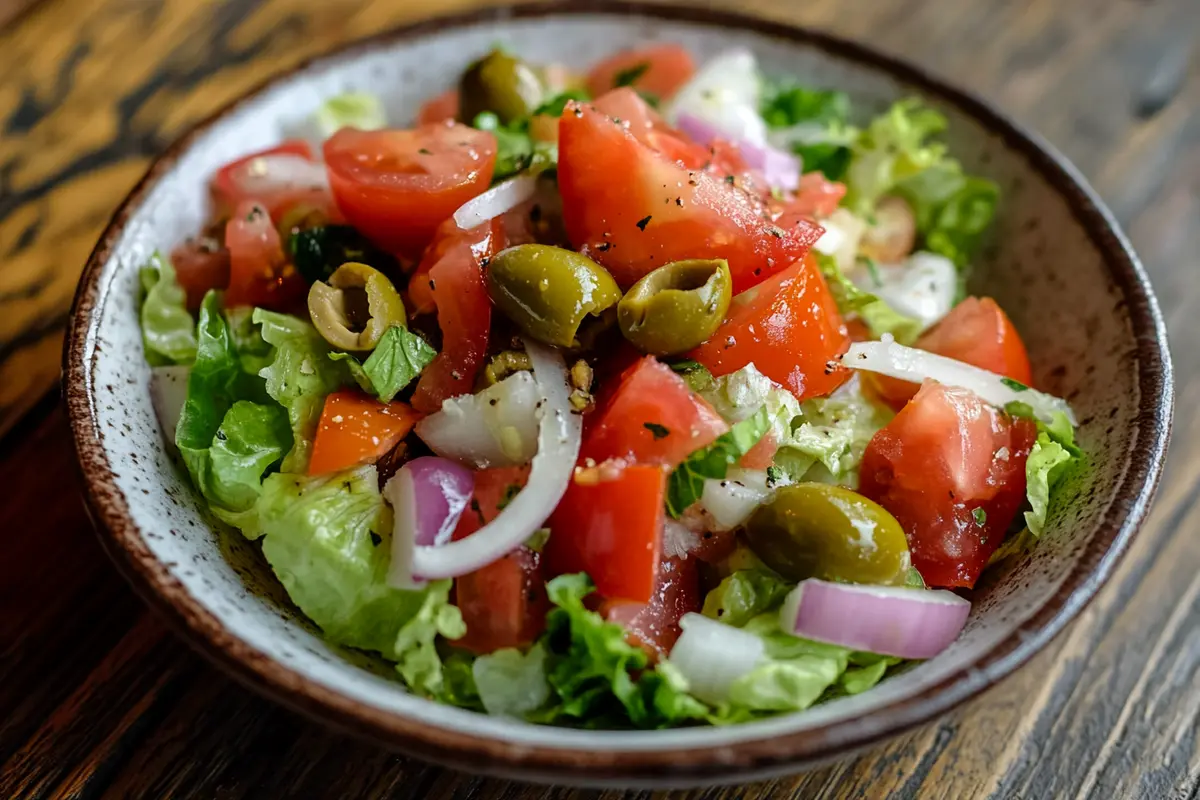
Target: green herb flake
659, 431
510, 493
630, 75
980, 516
1016, 386
774, 475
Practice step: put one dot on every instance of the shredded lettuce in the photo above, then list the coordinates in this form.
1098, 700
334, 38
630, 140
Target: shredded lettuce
327, 539
298, 377
686, 482
350, 110
813, 123
745, 594
1054, 454
168, 330
395, 362
516, 151
879, 317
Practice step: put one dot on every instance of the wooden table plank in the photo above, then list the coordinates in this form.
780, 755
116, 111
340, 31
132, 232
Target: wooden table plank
96, 699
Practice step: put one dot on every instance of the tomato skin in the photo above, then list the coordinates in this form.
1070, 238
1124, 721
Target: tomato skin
633, 208
201, 263
667, 67
609, 525
398, 186
259, 273
649, 398
816, 196
439, 108
654, 626
503, 604
355, 428
231, 185
946, 454
789, 327
762, 455
465, 318
976, 332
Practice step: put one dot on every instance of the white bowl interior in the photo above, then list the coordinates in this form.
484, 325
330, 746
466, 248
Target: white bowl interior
1081, 348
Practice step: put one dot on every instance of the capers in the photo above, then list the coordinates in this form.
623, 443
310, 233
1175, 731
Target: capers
500, 83
549, 292
677, 306
356, 307
815, 530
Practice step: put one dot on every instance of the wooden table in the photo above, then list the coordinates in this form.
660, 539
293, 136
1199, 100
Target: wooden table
97, 699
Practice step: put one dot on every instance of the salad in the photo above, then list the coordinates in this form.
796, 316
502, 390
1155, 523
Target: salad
645, 397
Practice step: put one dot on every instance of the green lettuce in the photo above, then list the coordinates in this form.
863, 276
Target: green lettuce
1053, 455
516, 151
395, 362
328, 539
598, 680
168, 330
745, 594
511, 683
254, 352
818, 122
879, 317
458, 679
298, 378
318, 251
686, 482
350, 110
252, 438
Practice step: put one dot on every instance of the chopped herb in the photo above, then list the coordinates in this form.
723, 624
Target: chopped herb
694, 374
642, 223
980, 517
510, 493
774, 475
556, 105
659, 431
425, 151
1016, 386
629, 75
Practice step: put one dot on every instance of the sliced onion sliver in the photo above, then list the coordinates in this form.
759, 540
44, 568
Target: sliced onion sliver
778, 168
910, 364
495, 201
427, 495
497, 427
168, 391
891, 621
282, 172
732, 499
712, 656
559, 431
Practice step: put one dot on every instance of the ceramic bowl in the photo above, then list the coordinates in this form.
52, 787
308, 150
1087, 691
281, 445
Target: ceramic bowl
1056, 261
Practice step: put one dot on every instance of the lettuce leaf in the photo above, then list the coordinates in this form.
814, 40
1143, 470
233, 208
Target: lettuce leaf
254, 352
952, 210
516, 151
298, 378
168, 330
813, 123
879, 317
830, 435
511, 683
598, 679
252, 438
327, 538
458, 680
686, 482
360, 110
745, 594
1054, 454
395, 362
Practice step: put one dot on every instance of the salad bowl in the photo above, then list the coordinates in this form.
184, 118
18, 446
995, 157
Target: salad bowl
1054, 259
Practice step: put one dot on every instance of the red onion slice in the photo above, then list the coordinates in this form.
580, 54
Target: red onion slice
495, 201
909, 364
559, 431
712, 656
778, 168
428, 495
891, 621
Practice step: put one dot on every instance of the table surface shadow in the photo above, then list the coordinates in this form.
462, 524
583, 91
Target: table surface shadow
98, 699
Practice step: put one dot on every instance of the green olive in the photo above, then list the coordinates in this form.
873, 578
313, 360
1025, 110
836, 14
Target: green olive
502, 84
354, 309
677, 306
549, 292
815, 530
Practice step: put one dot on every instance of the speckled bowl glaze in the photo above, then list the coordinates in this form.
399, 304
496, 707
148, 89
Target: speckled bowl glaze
1056, 262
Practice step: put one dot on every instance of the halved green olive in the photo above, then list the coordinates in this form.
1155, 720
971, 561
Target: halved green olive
815, 530
502, 84
354, 309
549, 292
676, 307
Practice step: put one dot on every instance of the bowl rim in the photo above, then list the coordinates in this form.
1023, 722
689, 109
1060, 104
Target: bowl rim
752, 758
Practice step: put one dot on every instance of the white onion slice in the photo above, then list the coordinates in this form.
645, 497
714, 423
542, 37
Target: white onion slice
678, 540
923, 287
168, 392
732, 499
891, 621
559, 430
495, 201
778, 168
909, 364
281, 172
725, 92
494, 428
712, 656
427, 495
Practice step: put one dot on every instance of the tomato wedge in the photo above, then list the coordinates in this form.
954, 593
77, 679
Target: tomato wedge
355, 428
397, 186
279, 178
816, 196
503, 604
633, 208
609, 525
654, 626
658, 70
951, 469
651, 418
977, 332
259, 272
788, 327
439, 108
201, 263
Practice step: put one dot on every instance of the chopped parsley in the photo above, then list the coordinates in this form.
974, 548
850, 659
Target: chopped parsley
980, 517
510, 493
630, 75
1016, 386
642, 223
659, 431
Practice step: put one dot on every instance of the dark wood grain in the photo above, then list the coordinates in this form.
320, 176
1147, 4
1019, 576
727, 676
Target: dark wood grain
98, 700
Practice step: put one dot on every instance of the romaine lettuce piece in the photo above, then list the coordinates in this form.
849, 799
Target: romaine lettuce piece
879, 317
745, 594
511, 683
350, 110
168, 330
